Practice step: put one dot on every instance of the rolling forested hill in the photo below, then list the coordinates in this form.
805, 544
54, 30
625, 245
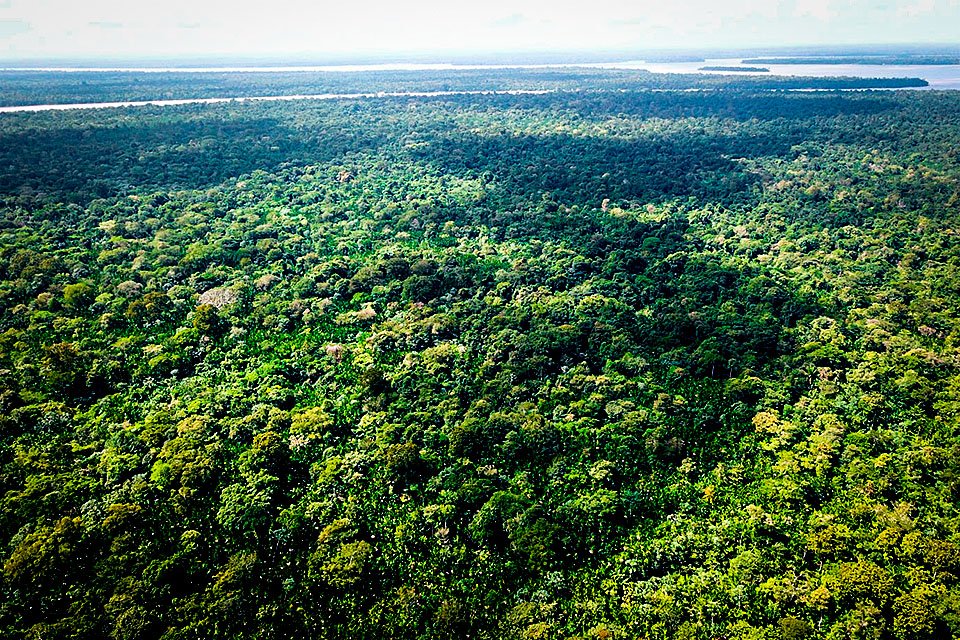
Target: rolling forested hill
594, 364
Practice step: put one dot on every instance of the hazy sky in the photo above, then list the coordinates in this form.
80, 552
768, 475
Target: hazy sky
49, 28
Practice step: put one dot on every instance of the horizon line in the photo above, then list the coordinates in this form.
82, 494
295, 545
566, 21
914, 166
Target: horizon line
444, 55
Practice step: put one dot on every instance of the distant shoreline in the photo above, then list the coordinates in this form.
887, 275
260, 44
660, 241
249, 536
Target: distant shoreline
736, 69
906, 61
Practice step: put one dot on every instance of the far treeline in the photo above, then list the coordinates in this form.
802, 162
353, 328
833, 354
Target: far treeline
737, 69
42, 87
924, 60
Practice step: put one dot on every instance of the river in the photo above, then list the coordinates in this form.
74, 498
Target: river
940, 76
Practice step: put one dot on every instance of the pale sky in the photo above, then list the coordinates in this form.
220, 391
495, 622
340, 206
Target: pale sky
157, 28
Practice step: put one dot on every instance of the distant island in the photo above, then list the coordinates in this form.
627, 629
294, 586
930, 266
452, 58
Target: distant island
737, 69
881, 60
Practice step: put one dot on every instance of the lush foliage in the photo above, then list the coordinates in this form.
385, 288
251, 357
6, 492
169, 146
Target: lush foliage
660, 365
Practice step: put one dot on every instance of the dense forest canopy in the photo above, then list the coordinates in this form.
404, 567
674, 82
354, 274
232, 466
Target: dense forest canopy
591, 364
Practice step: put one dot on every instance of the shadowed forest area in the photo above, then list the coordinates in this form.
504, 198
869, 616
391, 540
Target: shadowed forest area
587, 364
